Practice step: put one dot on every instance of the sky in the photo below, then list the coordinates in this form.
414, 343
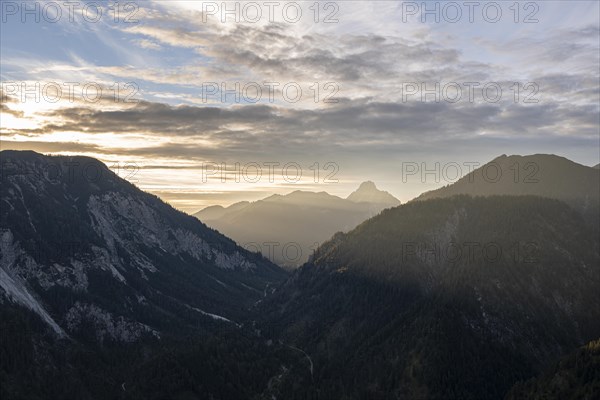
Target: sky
207, 103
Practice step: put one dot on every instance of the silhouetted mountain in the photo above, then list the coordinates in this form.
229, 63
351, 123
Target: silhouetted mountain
543, 175
576, 376
367, 192
215, 212
447, 298
116, 274
287, 229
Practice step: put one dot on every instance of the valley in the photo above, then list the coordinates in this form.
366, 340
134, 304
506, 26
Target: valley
407, 303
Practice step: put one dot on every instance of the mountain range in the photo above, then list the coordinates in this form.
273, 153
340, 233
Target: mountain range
478, 290
287, 229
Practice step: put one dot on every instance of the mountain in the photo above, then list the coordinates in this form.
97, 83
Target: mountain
93, 271
576, 376
367, 192
288, 228
67, 222
597, 166
106, 292
543, 175
215, 212
457, 297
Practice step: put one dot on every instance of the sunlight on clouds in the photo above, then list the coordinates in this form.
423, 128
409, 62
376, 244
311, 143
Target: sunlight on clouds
369, 53
190, 189
9, 122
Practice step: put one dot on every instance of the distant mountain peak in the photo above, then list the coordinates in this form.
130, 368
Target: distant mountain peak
367, 185
299, 220
367, 192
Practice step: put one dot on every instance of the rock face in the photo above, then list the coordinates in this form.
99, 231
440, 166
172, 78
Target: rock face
287, 229
81, 247
444, 298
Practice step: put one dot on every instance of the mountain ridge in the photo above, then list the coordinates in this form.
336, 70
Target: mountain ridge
545, 175
460, 295
102, 224
287, 228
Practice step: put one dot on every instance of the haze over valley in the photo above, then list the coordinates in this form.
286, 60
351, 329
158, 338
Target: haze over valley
288, 228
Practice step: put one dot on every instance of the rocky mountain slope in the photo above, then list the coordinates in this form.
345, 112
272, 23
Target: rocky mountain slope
93, 271
70, 224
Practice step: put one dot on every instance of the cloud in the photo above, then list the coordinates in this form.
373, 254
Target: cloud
52, 147
147, 44
261, 130
4, 108
369, 55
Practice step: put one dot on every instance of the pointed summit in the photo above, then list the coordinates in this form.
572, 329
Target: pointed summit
367, 186
368, 192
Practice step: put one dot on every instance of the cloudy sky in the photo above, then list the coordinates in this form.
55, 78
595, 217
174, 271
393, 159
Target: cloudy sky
188, 99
